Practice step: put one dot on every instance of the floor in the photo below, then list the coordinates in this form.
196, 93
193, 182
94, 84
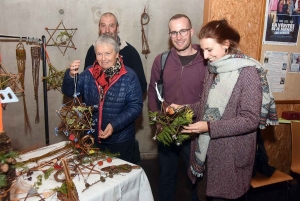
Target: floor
184, 188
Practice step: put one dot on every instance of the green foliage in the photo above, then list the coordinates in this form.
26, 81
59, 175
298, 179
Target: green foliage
108, 153
38, 182
11, 154
169, 125
63, 188
2, 180
76, 118
48, 173
4, 81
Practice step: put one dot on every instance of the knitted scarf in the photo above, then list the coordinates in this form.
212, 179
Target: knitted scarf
103, 76
228, 69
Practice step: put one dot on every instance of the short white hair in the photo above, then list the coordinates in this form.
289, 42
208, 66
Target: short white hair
106, 39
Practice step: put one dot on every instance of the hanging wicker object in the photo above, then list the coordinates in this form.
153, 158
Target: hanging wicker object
63, 39
55, 77
21, 60
36, 58
8, 79
145, 45
75, 117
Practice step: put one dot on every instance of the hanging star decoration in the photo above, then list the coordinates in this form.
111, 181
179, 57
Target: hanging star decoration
76, 117
63, 39
55, 77
8, 79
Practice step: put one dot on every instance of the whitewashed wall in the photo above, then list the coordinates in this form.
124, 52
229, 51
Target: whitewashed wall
29, 18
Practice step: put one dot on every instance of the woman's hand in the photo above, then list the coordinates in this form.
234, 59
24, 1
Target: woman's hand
196, 128
74, 68
106, 133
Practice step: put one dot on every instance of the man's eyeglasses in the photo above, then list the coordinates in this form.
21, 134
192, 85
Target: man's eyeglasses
182, 32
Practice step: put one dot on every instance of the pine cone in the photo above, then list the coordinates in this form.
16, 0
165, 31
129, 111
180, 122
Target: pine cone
10, 161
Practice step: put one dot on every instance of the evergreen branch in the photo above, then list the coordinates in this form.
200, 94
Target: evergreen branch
169, 125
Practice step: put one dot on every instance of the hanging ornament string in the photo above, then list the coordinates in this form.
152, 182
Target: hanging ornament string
21, 59
145, 46
76, 117
36, 58
75, 85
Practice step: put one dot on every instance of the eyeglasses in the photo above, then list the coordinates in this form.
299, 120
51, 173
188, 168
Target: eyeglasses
182, 32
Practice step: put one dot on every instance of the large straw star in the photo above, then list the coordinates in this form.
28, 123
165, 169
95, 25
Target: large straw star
62, 39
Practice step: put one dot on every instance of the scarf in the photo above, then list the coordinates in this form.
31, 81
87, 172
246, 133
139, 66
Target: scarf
228, 69
103, 76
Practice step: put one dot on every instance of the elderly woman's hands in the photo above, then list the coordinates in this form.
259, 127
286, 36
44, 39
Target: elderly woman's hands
107, 132
196, 128
74, 68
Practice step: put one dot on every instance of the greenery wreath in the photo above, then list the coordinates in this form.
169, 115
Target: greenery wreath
169, 124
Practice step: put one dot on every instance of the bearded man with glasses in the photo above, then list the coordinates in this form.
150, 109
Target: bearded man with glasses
183, 78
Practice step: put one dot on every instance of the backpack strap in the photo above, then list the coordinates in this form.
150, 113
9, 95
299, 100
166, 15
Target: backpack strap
164, 57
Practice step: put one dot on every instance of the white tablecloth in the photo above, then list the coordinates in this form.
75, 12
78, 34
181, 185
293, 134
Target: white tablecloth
132, 186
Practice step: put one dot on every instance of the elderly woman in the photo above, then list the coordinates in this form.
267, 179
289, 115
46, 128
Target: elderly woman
116, 90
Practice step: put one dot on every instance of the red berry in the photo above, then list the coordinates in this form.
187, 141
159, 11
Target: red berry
72, 137
57, 167
109, 160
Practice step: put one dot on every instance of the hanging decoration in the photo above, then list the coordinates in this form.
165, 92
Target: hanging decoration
76, 119
36, 58
21, 60
8, 79
63, 39
145, 19
55, 77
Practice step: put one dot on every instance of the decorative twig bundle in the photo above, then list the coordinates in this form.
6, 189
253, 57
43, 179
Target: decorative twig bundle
169, 124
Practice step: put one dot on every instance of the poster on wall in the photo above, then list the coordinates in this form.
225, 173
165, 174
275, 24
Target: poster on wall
282, 20
295, 62
276, 63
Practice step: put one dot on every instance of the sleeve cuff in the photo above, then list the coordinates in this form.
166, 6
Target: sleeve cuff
208, 127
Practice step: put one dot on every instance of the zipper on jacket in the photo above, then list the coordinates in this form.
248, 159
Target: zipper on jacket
101, 103
180, 84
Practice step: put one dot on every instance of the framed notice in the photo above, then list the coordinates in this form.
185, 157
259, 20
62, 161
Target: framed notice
276, 63
282, 20
294, 62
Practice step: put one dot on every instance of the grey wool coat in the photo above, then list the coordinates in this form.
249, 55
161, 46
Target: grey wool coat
231, 151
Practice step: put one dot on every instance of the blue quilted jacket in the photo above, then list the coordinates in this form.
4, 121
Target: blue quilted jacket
121, 106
